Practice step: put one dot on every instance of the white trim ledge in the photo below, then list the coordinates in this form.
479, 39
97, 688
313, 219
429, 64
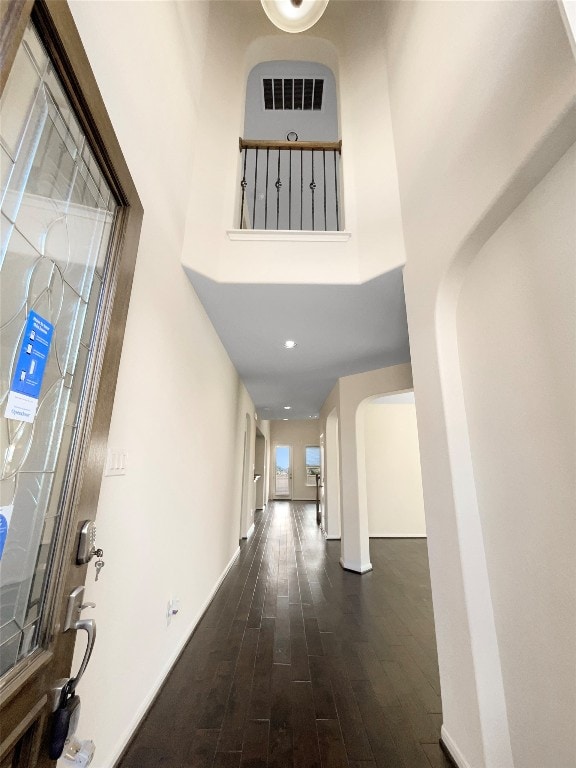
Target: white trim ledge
397, 535
167, 668
455, 753
289, 235
355, 567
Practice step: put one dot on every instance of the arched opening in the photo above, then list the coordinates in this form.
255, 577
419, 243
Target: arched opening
290, 151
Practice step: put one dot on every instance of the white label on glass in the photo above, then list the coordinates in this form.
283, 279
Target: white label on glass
21, 407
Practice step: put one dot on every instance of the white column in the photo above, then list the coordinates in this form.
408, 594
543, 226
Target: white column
354, 517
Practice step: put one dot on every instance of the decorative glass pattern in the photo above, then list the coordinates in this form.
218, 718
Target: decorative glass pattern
57, 218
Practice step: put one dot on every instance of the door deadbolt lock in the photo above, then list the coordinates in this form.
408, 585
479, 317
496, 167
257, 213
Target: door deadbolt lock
87, 543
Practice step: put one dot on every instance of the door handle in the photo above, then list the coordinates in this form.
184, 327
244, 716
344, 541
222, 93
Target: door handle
90, 626
73, 621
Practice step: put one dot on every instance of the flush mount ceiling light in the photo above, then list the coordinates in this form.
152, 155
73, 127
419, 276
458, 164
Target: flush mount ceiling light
289, 344
294, 15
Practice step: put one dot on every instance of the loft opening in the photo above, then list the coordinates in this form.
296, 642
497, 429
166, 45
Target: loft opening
290, 151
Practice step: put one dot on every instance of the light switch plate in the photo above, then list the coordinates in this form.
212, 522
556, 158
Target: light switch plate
116, 461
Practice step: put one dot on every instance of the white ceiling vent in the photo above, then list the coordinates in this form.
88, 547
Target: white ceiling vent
293, 93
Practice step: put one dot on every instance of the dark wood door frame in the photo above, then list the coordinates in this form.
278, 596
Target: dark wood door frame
24, 697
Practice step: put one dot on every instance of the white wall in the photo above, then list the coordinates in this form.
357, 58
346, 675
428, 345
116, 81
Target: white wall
393, 476
522, 436
298, 433
483, 105
169, 528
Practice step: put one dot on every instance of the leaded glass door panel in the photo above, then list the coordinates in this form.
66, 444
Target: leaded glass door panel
57, 218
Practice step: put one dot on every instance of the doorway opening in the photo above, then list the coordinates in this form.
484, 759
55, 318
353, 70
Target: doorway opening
260, 471
282, 472
246, 507
290, 161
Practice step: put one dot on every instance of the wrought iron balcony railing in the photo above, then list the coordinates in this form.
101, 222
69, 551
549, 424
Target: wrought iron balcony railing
290, 185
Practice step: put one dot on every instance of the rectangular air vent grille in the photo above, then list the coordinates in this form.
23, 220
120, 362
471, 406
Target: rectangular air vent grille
293, 93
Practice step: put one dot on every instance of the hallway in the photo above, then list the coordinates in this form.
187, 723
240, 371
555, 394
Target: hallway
297, 662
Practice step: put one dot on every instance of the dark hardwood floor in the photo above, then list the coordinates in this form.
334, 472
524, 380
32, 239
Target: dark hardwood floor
300, 663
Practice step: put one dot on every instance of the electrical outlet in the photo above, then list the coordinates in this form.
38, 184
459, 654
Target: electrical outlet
173, 608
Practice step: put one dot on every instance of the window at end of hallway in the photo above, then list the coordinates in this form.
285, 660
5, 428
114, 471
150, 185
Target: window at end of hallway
312, 463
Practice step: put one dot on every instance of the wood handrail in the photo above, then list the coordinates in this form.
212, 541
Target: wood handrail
332, 146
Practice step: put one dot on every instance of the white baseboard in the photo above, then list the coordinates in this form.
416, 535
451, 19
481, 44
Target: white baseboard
455, 753
166, 669
357, 567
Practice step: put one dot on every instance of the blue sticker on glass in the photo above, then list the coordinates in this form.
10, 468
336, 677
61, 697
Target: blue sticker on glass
31, 362
5, 515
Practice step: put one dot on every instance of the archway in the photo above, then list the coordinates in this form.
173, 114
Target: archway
341, 410
290, 102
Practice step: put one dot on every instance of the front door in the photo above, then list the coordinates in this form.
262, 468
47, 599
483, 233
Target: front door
69, 234
283, 472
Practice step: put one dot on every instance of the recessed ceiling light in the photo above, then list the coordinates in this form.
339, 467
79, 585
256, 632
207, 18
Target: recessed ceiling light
287, 407
289, 344
284, 419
